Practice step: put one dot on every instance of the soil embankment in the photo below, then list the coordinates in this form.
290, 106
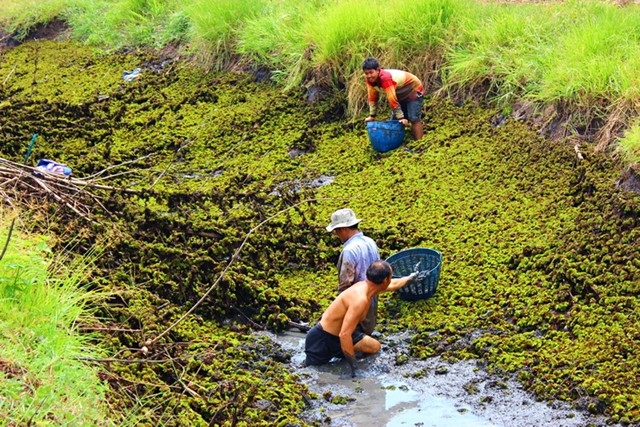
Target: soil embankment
540, 278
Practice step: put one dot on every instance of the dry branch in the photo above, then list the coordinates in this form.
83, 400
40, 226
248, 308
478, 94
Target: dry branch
80, 196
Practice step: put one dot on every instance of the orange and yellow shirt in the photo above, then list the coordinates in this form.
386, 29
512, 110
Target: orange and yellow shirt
399, 86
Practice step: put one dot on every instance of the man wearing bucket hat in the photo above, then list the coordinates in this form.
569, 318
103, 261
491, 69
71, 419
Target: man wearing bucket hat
358, 252
403, 90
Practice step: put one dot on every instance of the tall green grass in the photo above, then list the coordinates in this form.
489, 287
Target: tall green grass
582, 54
575, 51
20, 17
343, 29
629, 144
119, 23
42, 382
276, 39
594, 59
501, 49
415, 35
214, 26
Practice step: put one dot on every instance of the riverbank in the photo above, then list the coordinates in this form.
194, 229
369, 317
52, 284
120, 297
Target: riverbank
568, 67
212, 202
432, 392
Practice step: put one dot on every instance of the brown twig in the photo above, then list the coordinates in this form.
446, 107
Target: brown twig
120, 378
6, 244
73, 193
302, 327
185, 386
168, 359
255, 324
126, 361
97, 174
12, 70
107, 329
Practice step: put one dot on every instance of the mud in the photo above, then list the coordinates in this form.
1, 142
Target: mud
421, 393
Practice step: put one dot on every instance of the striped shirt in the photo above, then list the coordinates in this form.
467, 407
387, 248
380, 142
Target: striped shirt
399, 86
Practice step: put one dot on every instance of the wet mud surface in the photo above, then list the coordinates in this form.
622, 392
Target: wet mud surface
422, 393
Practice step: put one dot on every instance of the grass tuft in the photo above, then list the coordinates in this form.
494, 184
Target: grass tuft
501, 49
19, 18
594, 59
42, 380
629, 144
214, 25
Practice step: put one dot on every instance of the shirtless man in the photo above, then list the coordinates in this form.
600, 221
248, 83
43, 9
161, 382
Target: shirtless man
335, 335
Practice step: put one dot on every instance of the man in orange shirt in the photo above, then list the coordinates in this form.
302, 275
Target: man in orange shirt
404, 93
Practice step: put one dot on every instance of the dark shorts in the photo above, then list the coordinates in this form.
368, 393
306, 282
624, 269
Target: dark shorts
321, 346
412, 109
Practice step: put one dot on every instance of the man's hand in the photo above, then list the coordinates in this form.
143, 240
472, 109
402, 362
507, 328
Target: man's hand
370, 119
404, 121
413, 277
352, 364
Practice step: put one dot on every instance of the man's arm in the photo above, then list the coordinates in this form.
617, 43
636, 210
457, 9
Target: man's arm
349, 324
392, 99
355, 312
402, 281
346, 275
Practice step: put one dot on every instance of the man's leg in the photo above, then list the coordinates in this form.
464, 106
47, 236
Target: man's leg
367, 345
416, 130
414, 114
320, 346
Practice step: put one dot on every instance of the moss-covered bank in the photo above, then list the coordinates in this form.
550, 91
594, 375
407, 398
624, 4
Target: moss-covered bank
541, 269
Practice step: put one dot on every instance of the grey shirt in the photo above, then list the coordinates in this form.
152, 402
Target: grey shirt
357, 255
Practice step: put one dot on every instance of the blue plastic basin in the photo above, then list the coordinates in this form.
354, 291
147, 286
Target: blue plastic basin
385, 136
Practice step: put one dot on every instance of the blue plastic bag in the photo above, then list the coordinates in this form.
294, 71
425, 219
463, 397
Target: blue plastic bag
54, 167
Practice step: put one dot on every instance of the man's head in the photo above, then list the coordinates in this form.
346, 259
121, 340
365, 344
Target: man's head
343, 218
379, 271
371, 68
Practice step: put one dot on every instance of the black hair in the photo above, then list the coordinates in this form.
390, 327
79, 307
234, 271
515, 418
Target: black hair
370, 63
378, 271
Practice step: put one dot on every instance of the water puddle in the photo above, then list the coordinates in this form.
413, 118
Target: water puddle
421, 393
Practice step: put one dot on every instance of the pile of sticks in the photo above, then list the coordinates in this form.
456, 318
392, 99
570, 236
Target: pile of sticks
82, 196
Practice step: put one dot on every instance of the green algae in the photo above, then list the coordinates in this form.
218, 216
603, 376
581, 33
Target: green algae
540, 272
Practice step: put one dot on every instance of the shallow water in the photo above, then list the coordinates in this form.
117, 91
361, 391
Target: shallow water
422, 393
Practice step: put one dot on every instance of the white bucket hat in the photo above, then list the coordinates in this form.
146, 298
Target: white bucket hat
342, 218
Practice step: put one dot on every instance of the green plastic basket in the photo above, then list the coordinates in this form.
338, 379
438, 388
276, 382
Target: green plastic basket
424, 260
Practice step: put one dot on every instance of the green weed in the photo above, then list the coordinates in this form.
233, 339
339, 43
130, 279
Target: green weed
629, 144
499, 52
20, 17
594, 57
214, 25
42, 377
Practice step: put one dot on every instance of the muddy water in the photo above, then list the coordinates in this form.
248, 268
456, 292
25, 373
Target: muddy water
422, 393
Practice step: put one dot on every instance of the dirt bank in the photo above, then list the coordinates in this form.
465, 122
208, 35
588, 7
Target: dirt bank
540, 273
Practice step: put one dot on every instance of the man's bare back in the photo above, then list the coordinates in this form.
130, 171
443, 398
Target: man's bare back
352, 303
336, 332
